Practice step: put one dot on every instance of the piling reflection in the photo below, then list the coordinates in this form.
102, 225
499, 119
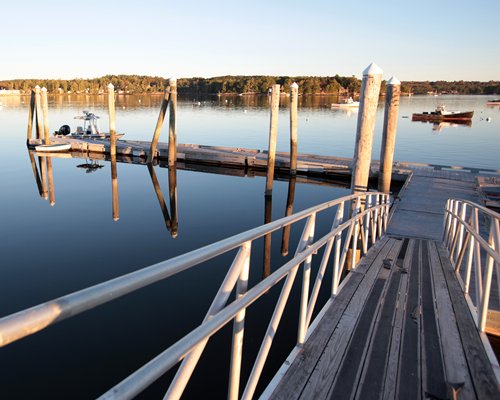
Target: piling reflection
268, 210
35, 172
114, 188
289, 211
52, 198
43, 173
170, 223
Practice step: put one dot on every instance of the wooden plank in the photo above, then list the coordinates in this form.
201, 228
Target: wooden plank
324, 375
433, 380
391, 372
298, 374
455, 365
409, 366
372, 381
483, 377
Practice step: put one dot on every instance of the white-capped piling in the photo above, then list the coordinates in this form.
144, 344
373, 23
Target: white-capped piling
273, 132
294, 96
172, 133
370, 89
389, 134
112, 119
45, 111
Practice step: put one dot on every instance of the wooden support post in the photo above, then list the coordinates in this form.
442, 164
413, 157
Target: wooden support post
38, 108
172, 191
294, 97
389, 134
370, 88
289, 211
159, 124
114, 188
45, 111
112, 119
172, 133
50, 175
273, 131
31, 113
268, 210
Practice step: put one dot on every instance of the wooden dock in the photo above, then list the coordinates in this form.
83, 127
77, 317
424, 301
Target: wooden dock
399, 329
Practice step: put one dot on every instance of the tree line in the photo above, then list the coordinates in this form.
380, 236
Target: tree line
336, 85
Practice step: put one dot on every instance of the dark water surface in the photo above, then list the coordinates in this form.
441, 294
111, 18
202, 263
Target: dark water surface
47, 252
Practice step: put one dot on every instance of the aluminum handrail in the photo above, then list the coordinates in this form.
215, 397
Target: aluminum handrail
461, 235
368, 217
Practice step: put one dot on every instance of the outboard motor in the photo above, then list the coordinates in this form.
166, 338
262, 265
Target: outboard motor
64, 130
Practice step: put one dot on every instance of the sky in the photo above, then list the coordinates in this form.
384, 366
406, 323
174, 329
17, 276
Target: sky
412, 40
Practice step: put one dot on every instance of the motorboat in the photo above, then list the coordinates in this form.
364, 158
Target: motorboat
89, 129
493, 102
54, 147
441, 114
346, 103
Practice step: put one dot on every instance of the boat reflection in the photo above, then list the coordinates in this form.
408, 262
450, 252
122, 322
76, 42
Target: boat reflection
440, 126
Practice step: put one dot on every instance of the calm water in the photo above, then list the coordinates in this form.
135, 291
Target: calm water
49, 251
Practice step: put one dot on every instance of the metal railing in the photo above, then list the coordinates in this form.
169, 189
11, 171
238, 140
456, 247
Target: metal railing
368, 222
473, 251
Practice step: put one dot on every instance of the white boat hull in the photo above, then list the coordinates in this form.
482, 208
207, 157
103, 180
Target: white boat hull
53, 147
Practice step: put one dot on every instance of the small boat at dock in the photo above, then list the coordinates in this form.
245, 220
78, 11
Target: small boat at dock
441, 114
494, 102
89, 130
55, 147
346, 103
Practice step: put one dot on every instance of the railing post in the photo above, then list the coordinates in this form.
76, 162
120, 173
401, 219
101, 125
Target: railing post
463, 211
477, 258
305, 284
483, 310
367, 222
338, 242
238, 331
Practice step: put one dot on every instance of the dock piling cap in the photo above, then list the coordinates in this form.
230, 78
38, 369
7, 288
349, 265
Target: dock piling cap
393, 81
372, 69
294, 85
44, 89
111, 86
172, 81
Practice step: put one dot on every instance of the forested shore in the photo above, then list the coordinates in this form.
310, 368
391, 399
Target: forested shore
308, 85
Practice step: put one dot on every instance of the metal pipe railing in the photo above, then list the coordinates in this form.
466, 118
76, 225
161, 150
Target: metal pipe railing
462, 235
370, 221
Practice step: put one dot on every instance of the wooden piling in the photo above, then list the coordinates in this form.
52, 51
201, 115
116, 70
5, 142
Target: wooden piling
389, 134
159, 124
45, 111
294, 96
31, 113
172, 133
38, 108
273, 131
112, 119
370, 89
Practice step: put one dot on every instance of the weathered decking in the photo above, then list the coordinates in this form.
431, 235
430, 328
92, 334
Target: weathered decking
399, 329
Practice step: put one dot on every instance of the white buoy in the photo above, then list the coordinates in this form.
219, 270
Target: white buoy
488, 119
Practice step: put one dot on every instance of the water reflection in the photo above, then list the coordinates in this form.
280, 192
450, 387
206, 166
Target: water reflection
440, 126
288, 211
170, 222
